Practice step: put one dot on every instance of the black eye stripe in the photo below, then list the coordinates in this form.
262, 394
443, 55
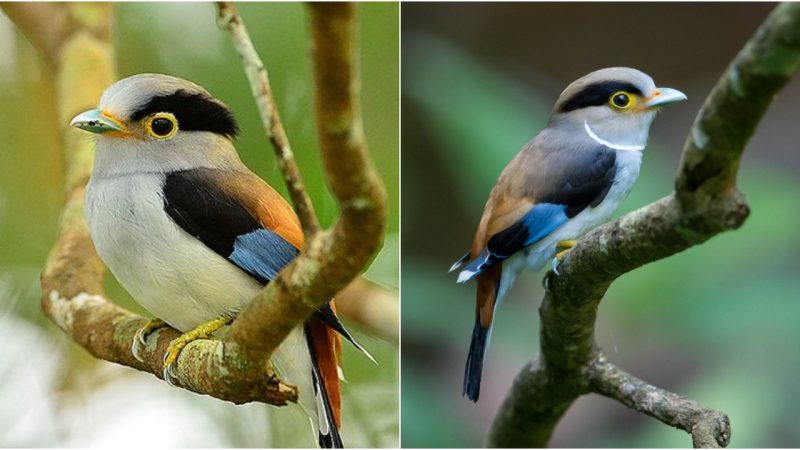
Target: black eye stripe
194, 112
596, 94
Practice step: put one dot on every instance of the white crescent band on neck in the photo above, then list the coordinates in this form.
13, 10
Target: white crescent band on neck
596, 138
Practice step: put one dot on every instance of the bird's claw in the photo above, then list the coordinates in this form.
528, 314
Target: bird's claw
203, 331
555, 265
140, 338
170, 360
565, 247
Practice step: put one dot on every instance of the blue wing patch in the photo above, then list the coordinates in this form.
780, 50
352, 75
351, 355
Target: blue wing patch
262, 253
540, 221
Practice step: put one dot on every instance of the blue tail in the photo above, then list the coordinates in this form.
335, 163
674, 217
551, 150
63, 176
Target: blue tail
472, 372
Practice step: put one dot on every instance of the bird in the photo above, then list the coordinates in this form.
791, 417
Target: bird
193, 235
568, 179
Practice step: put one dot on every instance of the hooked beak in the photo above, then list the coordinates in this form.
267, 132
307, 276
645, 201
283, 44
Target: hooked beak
665, 96
94, 121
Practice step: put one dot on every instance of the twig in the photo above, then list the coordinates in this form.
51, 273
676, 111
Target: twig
709, 428
706, 203
229, 19
72, 279
72, 293
333, 257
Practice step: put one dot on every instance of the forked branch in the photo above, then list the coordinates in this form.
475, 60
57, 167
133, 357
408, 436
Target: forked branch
705, 203
75, 41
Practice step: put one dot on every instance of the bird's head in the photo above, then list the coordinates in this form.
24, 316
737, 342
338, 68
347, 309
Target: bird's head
159, 122
615, 105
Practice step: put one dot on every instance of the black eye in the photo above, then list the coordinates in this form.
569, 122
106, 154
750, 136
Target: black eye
162, 126
621, 100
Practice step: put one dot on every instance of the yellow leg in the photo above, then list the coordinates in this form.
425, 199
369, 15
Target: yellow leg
140, 338
561, 249
203, 331
560, 255
566, 245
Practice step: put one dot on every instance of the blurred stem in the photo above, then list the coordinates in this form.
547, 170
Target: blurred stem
706, 202
373, 307
229, 18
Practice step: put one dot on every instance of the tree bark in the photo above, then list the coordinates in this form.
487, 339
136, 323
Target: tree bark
705, 202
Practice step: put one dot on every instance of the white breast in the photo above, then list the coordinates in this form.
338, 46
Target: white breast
168, 272
172, 274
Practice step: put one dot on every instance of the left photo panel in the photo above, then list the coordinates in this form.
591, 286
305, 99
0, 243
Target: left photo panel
199, 224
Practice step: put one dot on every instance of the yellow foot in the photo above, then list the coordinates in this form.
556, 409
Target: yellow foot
562, 248
566, 245
140, 338
203, 331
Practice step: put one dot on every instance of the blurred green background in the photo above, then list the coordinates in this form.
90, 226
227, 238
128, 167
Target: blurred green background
717, 323
71, 399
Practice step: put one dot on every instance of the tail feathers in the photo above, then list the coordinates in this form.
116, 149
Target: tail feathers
472, 372
327, 431
476, 266
324, 371
461, 261
327, 315
486, 300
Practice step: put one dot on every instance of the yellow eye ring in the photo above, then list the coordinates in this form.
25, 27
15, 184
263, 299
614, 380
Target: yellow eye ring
621, 100
161, 125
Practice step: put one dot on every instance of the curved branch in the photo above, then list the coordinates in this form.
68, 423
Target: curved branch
706, 203
72, 279
72, 293
709, 428
333, 257
229, 18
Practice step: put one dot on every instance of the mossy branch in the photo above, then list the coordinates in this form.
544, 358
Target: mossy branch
706, 202
333, 257
74, 40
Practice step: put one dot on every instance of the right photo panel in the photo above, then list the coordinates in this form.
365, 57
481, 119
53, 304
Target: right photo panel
599, 224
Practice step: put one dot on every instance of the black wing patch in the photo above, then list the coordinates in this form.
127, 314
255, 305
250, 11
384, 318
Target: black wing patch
204, 210
585, 181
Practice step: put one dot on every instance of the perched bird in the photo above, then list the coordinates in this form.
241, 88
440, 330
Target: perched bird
192, 234
567, 180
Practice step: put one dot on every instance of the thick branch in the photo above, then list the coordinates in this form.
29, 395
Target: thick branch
333, 257
709, 428
256, 71
534, 406
732, 111
72, 294
706, 203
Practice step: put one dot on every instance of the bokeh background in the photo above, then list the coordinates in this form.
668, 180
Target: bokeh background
52, 392
717, 323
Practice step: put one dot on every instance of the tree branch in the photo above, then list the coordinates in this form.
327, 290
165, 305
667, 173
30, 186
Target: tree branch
709, 428
706, 203
333, 257
229, 19
72, 294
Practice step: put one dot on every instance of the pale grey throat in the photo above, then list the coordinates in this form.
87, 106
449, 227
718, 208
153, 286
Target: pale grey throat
615, 146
